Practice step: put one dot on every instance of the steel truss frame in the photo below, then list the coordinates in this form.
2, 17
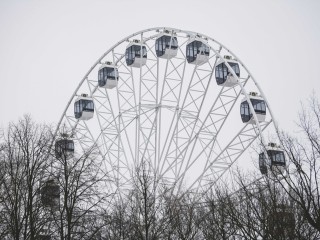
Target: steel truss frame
141, 101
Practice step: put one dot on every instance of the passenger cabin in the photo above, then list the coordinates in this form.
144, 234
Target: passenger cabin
224, 77
108, 76
281, 222
263, 164
83, 107
197, 51
50, 194
136, 54
259, 107
44, 237
64, 148
166, 45
276, 160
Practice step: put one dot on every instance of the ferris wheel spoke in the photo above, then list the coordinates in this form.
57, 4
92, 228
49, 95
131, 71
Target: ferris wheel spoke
169, 95
80, 131
153, 129
114, 154
119, 60
181, 51
219, 112
173, 79
147, 131
110, 134
214, 122
126, 88
149, 96
171, 89
190, 110
148, 113
84, 137
168, 141
126, 101
226, 158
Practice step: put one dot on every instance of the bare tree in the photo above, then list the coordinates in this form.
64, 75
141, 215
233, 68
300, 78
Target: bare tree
145, 212
302, 179
216, 221
24, 158
43, 193
183, 217
81, 182
145, 203
118, 223
263, 210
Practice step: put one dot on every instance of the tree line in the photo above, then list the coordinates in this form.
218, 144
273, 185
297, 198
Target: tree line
45, 197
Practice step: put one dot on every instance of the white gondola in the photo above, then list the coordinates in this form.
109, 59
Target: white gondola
108, 76
223, 75
136, 54
83, 107
50, 194
166, 45
64, 148
276, 161
259, 106
197, 51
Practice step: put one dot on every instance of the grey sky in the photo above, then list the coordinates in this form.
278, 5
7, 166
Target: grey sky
47, 46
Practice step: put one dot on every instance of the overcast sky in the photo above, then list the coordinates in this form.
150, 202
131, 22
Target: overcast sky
47, 46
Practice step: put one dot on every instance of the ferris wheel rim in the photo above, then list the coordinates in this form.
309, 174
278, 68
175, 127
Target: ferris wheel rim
181, 31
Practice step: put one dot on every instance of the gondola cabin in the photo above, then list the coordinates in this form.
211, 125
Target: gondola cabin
197, 51
166, 46
224, 77
83, 107
44, 237
276, 161
136, 54
263, 164
259, 107
108, 76
50, 194
281, 222
64, 148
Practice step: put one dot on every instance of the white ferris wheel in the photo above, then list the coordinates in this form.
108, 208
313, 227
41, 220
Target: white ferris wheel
176, 101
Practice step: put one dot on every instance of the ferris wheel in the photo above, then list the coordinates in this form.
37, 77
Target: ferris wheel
176, 102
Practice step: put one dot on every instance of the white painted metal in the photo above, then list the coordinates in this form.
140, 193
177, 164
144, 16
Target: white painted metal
159, 115
169, 53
